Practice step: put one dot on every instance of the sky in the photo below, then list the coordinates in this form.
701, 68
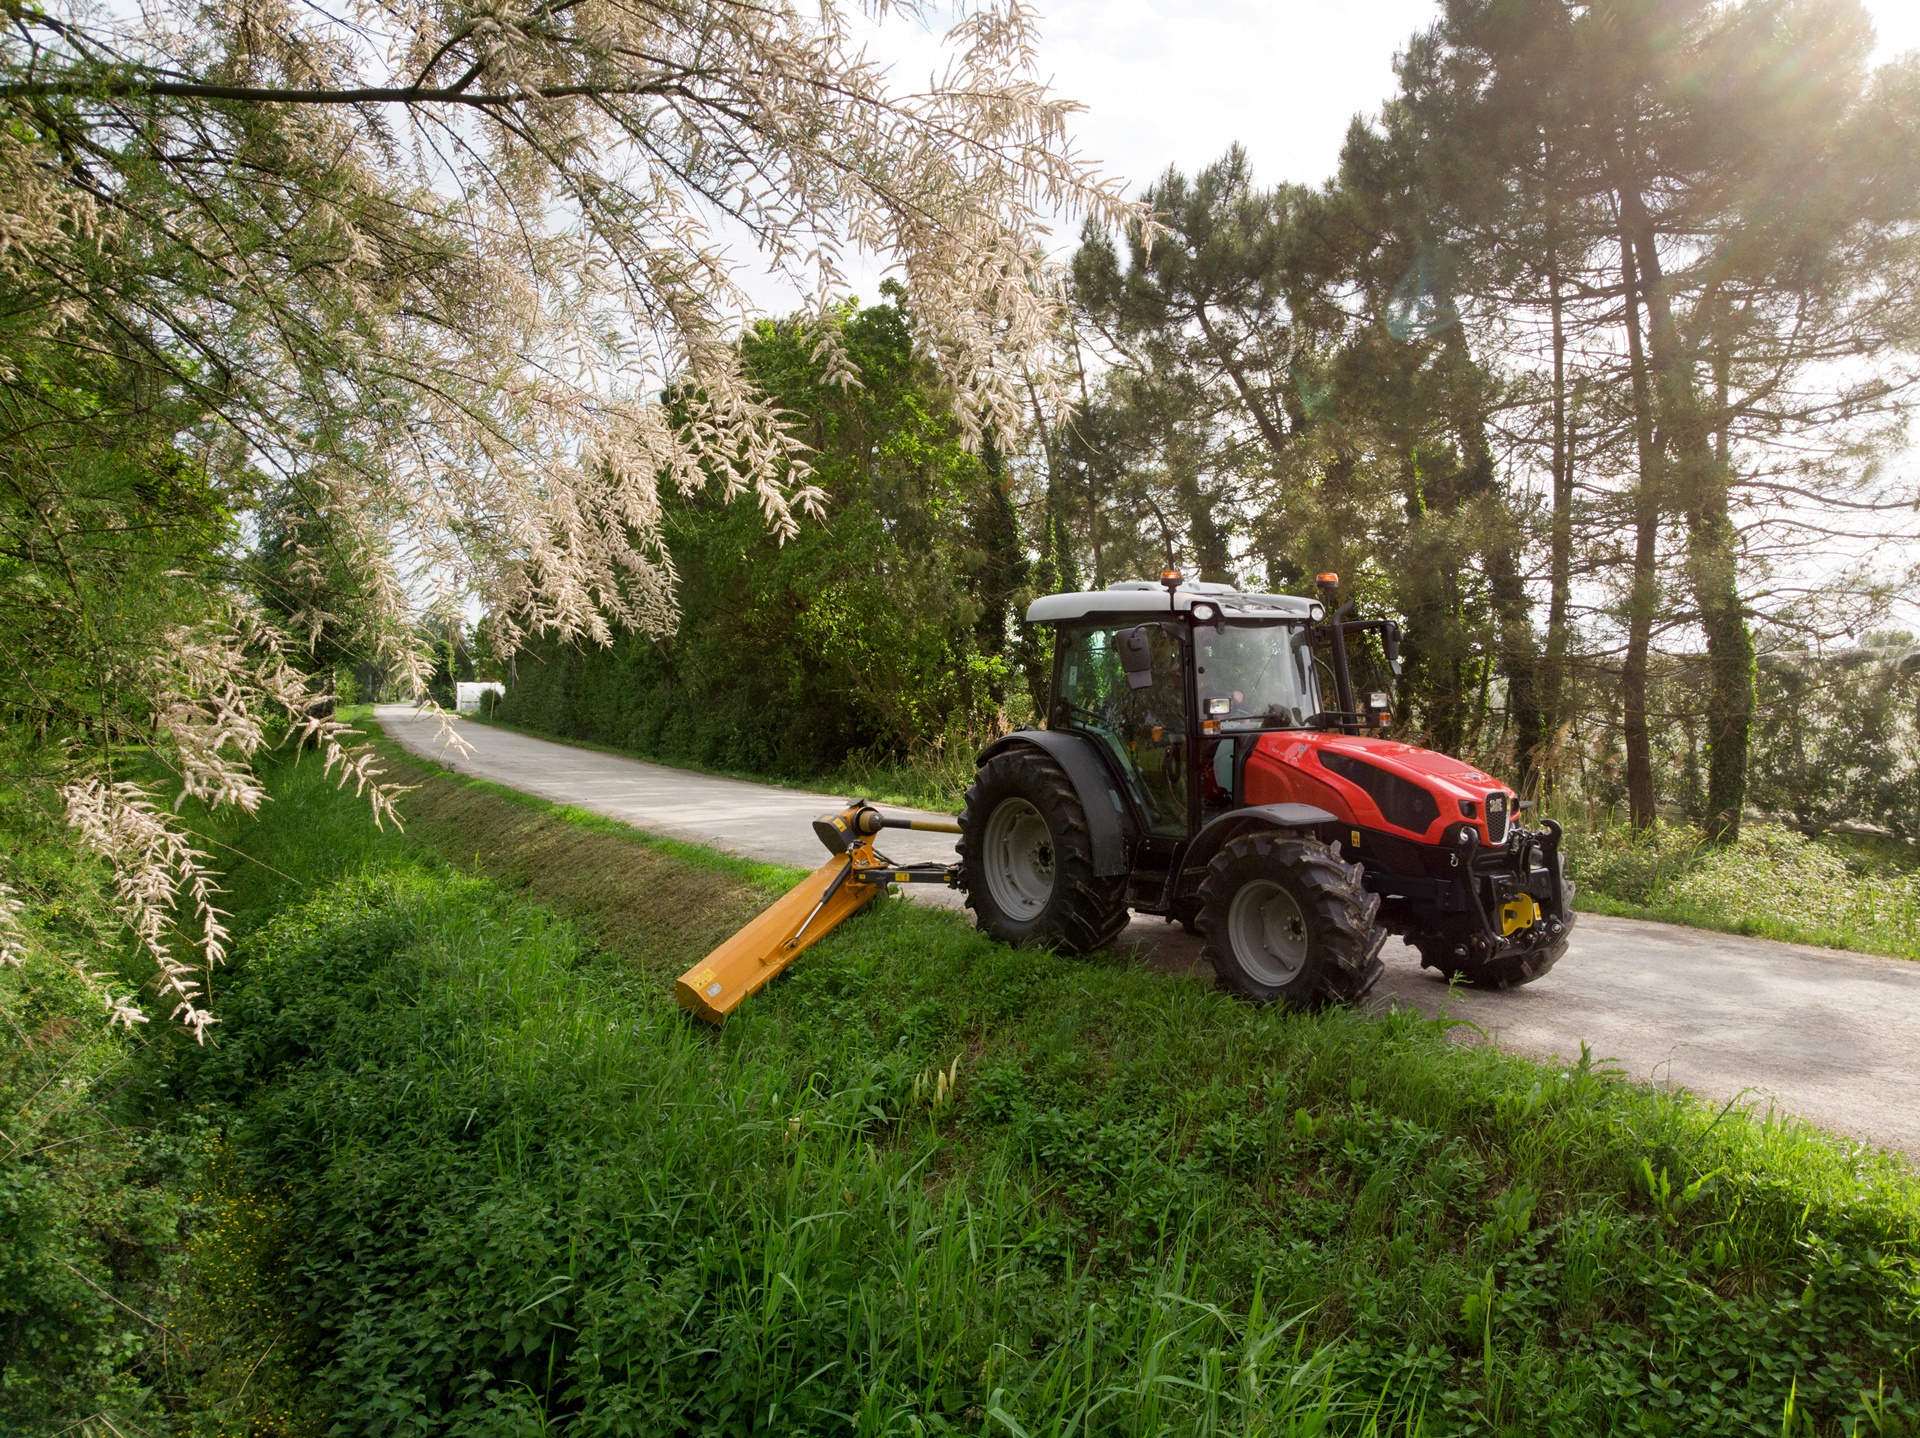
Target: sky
1174, 82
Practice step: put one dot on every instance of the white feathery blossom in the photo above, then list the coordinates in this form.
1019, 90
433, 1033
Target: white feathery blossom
446, 257
14, 941
154, 868
217, 693
13, 938
221, 693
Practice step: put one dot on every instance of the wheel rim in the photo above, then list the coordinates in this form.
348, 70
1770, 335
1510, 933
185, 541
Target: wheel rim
1268, 932
1019, 859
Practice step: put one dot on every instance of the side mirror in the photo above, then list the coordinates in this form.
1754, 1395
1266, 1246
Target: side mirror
1390, 641
1136, 656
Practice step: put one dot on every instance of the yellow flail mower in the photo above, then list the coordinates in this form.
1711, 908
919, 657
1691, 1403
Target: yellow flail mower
806, 914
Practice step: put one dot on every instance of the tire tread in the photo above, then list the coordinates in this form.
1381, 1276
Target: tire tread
1087, 912
1350, 963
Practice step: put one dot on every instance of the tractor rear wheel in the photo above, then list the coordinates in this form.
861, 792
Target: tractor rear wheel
1508, 969
1287, 921
1026, 859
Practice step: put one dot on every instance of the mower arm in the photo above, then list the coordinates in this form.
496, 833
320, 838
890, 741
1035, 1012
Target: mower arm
808, 912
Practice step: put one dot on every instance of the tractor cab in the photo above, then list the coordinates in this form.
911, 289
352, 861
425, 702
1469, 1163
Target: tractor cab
1175, 683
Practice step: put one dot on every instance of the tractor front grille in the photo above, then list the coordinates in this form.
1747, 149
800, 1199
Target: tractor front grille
1496, 818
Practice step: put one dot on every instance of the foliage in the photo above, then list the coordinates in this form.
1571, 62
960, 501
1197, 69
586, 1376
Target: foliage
1850, 894
927, 1182
433, 266
93, 1198
859, 635
1841, 742
408, 286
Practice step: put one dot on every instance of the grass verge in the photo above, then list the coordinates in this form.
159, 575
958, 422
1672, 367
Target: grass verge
936, 781
924, 1183
1835, 891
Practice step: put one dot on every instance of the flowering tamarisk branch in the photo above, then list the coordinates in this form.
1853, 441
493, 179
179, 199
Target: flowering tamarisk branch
221, 691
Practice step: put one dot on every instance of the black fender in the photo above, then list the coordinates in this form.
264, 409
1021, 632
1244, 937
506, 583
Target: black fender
1216, 832
1110, 825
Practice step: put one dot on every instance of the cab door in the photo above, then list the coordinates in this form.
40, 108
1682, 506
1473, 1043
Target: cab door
1125, 686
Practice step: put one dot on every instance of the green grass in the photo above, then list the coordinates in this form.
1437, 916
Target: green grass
1836, 891
94, 1195
455, 1164
481, 1176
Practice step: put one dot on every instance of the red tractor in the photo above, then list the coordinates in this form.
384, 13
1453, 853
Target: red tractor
1190, 767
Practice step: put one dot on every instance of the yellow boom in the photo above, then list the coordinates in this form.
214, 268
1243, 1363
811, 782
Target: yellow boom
807, 913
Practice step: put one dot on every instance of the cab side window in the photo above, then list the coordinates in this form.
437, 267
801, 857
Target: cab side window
1143, 725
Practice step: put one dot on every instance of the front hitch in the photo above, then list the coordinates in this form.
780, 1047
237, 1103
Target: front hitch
1489, 939
1562, 899
1557, 911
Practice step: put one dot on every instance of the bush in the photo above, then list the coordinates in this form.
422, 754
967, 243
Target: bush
1845, 893
1839, 736
94, 1198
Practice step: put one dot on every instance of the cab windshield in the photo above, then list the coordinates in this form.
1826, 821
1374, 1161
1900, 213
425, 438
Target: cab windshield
1254, 676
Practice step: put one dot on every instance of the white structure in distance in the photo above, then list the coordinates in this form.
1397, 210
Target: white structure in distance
466, 696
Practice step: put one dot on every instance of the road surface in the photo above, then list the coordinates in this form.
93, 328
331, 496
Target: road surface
1832, 1037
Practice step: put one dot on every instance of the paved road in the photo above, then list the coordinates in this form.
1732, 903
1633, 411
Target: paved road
1830, 1036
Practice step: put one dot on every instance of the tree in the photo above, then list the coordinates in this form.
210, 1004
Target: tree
1742, 170
422, 273
1202, 341
862, 634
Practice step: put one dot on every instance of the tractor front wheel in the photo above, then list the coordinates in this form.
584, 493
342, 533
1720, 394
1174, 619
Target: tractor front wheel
1026, 859
1287, 921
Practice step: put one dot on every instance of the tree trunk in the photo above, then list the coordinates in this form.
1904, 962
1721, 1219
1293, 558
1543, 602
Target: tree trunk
1205, 533
1517, 645
996, 532
1058, 569
1714, 563
1435, 645
1519, 662
1646, 534
1701, 479
1090, 466
1560, 540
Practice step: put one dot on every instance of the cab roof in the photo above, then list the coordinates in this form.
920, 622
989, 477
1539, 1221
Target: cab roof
1145, 597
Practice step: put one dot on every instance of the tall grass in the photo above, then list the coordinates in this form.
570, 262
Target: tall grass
925, 1183
1835, 890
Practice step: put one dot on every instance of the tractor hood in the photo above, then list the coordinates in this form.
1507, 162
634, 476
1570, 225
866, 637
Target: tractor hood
1379, 783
